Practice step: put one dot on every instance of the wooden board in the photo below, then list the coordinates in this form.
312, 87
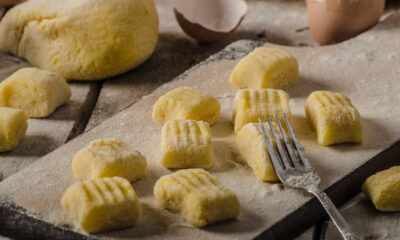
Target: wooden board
361, 68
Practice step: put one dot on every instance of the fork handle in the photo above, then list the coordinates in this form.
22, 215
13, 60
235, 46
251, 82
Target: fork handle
337, 218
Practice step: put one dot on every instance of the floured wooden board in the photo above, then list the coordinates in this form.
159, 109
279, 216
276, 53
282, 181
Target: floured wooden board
365, 69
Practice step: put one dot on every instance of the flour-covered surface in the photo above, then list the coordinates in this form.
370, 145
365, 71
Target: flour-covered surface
364, 69
367, 222
45, 134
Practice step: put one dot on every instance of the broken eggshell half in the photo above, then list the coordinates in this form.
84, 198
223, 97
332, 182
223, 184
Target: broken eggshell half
333, 21
209, 20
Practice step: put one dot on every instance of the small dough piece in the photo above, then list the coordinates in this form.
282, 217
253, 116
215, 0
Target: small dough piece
37, 92
266, 68
13, 125
198, 196
186, 144
250, 104
108, 158
256, 153
383, 188
186, 103
82, 40
102, 204
333, 117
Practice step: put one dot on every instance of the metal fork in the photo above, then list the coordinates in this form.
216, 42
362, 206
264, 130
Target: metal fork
295, 171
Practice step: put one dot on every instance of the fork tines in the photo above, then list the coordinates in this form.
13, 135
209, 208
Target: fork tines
289, 156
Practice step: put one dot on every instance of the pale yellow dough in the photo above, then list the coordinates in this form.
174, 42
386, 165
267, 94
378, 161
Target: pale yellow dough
266, 68
186, 103
108, 158
250, 104
13, 125
102, 204
186, 144
256, 153
196, 195
333, 117
37, 92
383, 188
85, 39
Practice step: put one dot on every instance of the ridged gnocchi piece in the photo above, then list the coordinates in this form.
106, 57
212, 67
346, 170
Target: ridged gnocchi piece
108, 158
333, 117
196, 195
13, 125
186, 144
250, 104
256, 153
186, 103
383, 188
102, 204
266, 68
37, 92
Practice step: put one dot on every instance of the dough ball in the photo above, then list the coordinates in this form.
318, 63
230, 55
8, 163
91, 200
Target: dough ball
86, 39
186, 144
383, 188
266, 68
108, 158
37, 92
13, 125
186, 103
334, 118
102, 204
198, 196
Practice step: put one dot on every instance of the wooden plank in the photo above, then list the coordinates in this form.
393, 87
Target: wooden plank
43, 135
272, 21
360, 68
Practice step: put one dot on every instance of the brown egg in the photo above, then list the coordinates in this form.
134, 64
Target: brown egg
209, 20
333, 21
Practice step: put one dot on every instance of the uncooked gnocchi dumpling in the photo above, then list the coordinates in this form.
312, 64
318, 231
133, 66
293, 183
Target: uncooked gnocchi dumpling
198, 196
37, 92
102, 204
266, 68
186, 103
250, 104
186, 144
13, 125
108, 158
383, 188
252, 147
333, 117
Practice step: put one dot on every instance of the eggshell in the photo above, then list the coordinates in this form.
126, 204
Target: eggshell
209, 20
333, 21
